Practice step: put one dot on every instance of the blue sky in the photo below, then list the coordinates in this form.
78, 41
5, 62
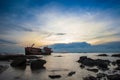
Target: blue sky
46, 22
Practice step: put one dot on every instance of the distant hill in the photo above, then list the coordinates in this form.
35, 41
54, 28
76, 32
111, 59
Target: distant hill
86, 47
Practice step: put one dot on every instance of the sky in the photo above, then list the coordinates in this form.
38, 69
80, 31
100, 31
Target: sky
48, 22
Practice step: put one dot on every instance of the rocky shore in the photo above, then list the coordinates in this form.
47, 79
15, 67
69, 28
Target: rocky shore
3, 68
21, 61
101, 67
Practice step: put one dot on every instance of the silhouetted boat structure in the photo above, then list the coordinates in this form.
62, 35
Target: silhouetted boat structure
37, 51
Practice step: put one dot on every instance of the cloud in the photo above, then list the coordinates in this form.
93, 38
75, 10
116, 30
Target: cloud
60, 33
76, 25
2, 41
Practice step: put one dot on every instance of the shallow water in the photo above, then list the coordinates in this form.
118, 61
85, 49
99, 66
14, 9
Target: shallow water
57, 64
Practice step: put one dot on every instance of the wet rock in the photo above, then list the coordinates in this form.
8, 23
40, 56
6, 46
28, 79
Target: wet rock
117, 68
86, 61
32, 57
101, 64
18, 62
58, 56
93, 70
82, 66
3, 68
115, 55
82, 58
113, 63
114, 71
90, 78
113, 77
102, 55
17, 77
101, 75
38, 64
54, 76
71, 73
118, 62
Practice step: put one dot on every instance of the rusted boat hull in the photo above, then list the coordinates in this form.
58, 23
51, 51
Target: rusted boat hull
37, 51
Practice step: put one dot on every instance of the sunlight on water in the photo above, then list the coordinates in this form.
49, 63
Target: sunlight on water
28, 73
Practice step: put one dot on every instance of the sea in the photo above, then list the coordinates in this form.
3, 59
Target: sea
57, 64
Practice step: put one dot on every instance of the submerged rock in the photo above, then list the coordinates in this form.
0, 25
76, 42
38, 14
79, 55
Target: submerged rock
71, 73
58, 56
38, 64
86, 61
82, 66
117, 68
101, 75
113, 63
32, 57
90, 78
93, 70
118, 62
102, 55
18, 62
115, 55
101, 64
54, 76
3, 68
113, 77
82, 58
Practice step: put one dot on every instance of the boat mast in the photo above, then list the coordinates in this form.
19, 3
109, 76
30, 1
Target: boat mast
32, 45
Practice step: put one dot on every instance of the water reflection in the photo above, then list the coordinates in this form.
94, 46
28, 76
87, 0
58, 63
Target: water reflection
28, 72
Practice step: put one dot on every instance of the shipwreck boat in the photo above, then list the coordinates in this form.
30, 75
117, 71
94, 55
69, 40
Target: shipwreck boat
37, 51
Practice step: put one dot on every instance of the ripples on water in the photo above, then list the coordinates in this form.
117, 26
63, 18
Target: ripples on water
57, 64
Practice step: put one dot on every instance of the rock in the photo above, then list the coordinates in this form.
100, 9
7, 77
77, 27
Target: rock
71, 73
113, 77
38, 64
18, 62
101, 64
90, 78
58, 56
117, 68
17, 77
3, 68
82, 66
32, 57
82, 58
100, 75
114, 71
115, 55
118, 62
102, 55
93, 70
86, 61
113, 63
11, 57
54, 76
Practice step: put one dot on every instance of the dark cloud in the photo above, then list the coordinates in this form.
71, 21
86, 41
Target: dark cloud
6, 27
3, 41
60, 33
